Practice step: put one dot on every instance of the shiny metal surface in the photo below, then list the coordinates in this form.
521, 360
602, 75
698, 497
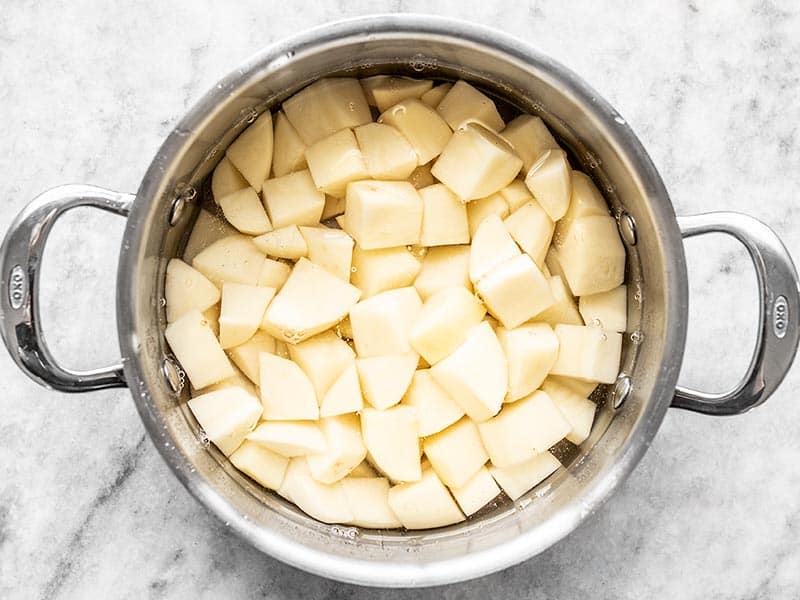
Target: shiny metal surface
778, 314
20, 259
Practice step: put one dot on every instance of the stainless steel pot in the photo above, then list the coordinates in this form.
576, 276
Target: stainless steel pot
160, 214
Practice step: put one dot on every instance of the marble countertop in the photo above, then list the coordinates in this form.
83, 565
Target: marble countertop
88, 508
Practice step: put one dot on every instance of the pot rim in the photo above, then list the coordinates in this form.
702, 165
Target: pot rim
476, 564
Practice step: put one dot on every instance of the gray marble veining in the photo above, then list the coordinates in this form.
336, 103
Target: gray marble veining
88, 91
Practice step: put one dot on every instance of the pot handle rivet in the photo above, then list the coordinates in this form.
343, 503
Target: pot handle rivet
622, 389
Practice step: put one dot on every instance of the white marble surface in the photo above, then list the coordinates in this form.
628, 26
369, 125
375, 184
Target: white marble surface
88, 90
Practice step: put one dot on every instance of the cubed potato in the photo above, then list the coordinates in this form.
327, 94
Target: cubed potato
186, 289
311, 301
243, 307
197, 349
588, 353
382, 323
234, 258
376, 271
226, 180
387, 154
492, 246
479, 209
532, 229
344, 395
286, 392
531, 351
424, 504
392, 443
263, 465
521, 478
333, 208
290, 150
436, 409
554, 266
207, 229
226, 416
530, 137
585, 201
385, 379
293, 199
364, 470
523, 429
442, 324
576, 409
464, 104
550, 182
325, 107
281, 349
444, 217
323, 358
286, 242
476, 163
345, 449
273, 274
246, 355
477, 492
442, 268
251, 152
434, 95
335, 161
515, 291
421, 125
370, 83
368, 499
516, 194
238, 380
211, 317
608, 310
244, 211
421, 177
322, 501
290, 438
383, 91
583, 388
456, 453
383, 214
475, 374
592, 255
331, 249
564, 310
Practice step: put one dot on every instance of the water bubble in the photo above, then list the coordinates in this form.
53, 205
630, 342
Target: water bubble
419, 63
603, 337
353, 269
637, 296
637, 337
398, 111
162, 302
251, 116
351, 106
204, 439
596, 322
619, 120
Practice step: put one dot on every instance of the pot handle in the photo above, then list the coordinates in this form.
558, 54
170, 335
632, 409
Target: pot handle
20, 258
779, 314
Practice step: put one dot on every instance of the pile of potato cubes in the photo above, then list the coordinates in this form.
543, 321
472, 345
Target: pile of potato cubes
400, 366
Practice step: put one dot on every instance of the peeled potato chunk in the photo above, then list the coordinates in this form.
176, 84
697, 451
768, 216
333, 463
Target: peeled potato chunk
588, 353
335, 161
286, 242
515, 291
251, 152
580, 387
322, 501
243, 210
476, 163
421, 177
363, 470
531, 351
532, 229
456, 453
530, 138
325, 107
387, 154
392, 443
234, 258
608, 310
436, 409
592, 255
368, 499
443, 267
479, 209
226, 180
382, 323
290, 150
293, 199
207, 229
376, 271
345, 449
520, 478
371, 205
289, 438
585, 201
477, 492
442, 323
344, 395
323, 358
576, 409
554, 266
238, 380
226, 416
243, 308
550, 182
286, 392
464, 104
246, 356
564, 309
385, 379
424, 504
273, 274
444, 218
434, 95
187, 289
263, 465
384, 92
516, 194
422, 126
196, 347
476, 373
333, 208
311, 301
492, 246
331, 249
